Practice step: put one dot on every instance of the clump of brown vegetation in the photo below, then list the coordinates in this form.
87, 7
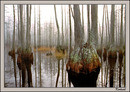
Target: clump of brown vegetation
112, 56
19, 61
12, 53
59, 53
28, 57
99, 52
120, 56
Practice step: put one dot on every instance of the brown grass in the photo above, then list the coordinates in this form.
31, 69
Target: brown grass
60, 55
44, 49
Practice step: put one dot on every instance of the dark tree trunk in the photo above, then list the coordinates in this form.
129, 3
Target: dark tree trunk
111, 77
112, 56
23, 74
120, 65
84, 80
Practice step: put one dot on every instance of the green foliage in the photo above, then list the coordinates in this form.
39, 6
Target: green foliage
84, 54
75, 57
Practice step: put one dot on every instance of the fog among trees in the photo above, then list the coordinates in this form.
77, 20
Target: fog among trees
50, 45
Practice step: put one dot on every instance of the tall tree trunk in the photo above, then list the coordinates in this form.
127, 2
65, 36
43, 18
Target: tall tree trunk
66, 33
121, 45
35, 46
106, 65
83, 22
102, 46
117, 19
40, 43
88, 24
21, 26
28, 47
94, 14
58, 40
39, 28
28, 36
24, 21
27, 27
13, 47
19, 39
70, 30
62, 26
121, 29
22, 45
78, 32
19, 36
112, 24
108, 26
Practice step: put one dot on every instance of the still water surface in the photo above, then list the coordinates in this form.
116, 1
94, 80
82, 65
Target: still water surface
44, 73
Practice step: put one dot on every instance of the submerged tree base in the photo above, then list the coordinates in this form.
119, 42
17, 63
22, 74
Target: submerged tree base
112, 57
84, 80
24, 61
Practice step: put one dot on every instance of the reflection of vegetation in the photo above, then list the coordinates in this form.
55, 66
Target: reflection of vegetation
40, 68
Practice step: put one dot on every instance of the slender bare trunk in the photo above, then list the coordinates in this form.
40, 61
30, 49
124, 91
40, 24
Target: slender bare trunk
58, 40
70, 30
102, 46
35, 46
88, 24
121, 45
62, 26
83, 21
13, 47
121, 29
